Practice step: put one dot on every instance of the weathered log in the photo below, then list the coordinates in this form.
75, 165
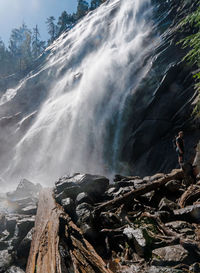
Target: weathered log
129, 197
189, 196
54, 233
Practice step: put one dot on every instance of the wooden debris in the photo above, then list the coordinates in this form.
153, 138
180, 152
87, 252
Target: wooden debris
45, 255
129, 197
189, 196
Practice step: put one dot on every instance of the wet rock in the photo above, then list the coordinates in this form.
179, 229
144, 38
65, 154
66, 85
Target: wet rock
138, 239
5, 260
24, 189
14, 269
110, 220
11, 221
173, 186
66, 182
169, 255
2, 223
22, 228
189, 213
68, 205
23, 248
167, 205
70, 192
83, 212
94, 185
3, 245
83, 198
29, 210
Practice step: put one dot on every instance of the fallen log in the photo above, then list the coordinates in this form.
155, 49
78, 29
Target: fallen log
128, 198
189, 196
58, 245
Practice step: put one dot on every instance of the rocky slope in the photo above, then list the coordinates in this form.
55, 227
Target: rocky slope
90, 225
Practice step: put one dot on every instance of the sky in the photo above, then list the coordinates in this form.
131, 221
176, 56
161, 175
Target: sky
14, 12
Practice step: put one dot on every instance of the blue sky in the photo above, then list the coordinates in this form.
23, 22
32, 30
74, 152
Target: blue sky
32, 12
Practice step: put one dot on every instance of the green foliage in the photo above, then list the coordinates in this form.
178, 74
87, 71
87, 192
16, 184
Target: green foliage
192, 41
82, 8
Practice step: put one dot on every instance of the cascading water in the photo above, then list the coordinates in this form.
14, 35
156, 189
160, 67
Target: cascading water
90, 72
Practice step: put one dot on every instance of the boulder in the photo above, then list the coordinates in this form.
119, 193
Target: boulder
68, 205
83, 212
83, 198
94, 185
70, 192
5, 260
23, 248
169, 255
137, 236
15, 269
22, 228
24, 189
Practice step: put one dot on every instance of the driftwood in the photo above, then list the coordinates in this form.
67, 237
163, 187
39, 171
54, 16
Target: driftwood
189, 196
129, 197
51, 253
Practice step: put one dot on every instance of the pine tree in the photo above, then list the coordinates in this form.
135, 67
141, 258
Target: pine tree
38, 46
95, 4
82, 8
20, 47
52, 28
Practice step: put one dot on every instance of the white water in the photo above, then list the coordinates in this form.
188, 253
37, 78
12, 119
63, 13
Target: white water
92, 70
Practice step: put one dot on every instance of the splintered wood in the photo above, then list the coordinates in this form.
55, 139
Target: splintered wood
45, 256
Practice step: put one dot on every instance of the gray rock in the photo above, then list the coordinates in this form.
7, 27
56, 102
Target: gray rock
189, 213
15, 269
138, 239
83, 212
83, 198
29, 210
173, 186
110, 220
169, 255
22, 228
24, 247
70, 192
94, 185
68, 205
5, 260
67, 182
3, 245
24, 189
2, 223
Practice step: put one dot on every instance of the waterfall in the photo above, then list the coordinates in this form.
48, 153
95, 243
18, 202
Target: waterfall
90, 72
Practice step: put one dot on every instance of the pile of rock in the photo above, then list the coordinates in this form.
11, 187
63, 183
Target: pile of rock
17, 218
143, 225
